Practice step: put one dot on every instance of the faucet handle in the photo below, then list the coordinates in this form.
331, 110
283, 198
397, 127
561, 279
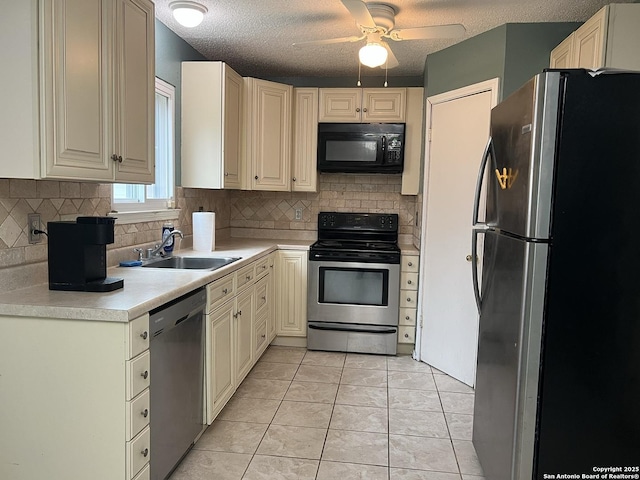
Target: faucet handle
139, 252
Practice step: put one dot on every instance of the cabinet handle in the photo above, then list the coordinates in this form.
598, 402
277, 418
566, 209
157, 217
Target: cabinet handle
263, 336
408, 299
294, 179
407, 317
264, 267
409, 282
144, 335
114, 157
120, 158
145, 452
145, 374
264, 298
406, 335
240, 312
226, 174
248, 277
225, 291
357, 110
256, 177
410, 264
235, 315
145, 413
364, 109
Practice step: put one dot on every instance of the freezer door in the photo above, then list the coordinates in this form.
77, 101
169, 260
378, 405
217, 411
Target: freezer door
513, 284
523, 129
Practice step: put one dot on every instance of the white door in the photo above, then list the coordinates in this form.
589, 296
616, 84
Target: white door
459, 124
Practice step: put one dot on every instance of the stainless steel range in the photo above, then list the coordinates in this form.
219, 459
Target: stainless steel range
354, 283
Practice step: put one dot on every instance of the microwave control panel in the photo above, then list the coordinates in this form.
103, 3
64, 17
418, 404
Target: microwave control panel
393, 153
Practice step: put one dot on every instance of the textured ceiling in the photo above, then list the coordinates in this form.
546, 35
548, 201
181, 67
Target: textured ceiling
255, 37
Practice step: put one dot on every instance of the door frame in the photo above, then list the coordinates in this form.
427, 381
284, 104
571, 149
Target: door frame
492, 86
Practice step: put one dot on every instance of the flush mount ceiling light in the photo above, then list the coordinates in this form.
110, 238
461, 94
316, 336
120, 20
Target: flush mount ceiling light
373, 54
188, 14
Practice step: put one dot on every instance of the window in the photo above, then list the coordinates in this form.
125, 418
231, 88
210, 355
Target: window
136, 198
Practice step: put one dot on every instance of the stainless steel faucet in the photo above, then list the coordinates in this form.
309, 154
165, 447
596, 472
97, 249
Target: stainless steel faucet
157, 250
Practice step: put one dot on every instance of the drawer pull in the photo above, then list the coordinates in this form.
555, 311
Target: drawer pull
145, 374
407, 317
239, 312
264, 267
145, 452
410, 264
409, 282
409, 299
406, 335
264, 299
263, 336
144, 335
145, 413
248, 277
225, 291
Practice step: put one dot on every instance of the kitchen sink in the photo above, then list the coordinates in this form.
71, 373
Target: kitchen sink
191, 263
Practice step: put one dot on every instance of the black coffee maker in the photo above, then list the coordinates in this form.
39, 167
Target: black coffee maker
78, 255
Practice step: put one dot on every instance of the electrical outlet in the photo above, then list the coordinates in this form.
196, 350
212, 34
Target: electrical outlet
298, 214
33, 224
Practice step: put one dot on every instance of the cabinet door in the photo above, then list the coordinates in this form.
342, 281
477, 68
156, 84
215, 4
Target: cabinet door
340, 105
413, 141
220, 367
135, 96
305, 140
232, 126
271, 319
77, 77
268, 140
590, 41
243, 328
292, 293
383, 105
562, 55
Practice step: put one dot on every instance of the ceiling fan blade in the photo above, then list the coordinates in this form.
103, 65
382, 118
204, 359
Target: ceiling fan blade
420, 33
329, 41
392, 61
359, 11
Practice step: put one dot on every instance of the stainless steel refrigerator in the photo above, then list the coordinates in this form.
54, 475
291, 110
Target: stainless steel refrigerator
558, 377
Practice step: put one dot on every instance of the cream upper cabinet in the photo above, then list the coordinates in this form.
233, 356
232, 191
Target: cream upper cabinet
562, 55
98, 108
609, 39
366, 105
291, 291
413, 141
305, 140
212, 95
267, 135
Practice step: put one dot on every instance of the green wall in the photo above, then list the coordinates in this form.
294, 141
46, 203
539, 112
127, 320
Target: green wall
513, 52
171, 50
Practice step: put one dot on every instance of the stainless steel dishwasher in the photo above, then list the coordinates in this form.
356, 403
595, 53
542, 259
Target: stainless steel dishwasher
177, 366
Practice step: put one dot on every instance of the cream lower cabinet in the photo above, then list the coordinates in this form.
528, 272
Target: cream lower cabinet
291, 293
98, 80
267, 135
75, 399
366, 105
610, 39
409, 266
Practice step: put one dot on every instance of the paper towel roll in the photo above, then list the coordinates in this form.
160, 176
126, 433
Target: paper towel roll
204, 231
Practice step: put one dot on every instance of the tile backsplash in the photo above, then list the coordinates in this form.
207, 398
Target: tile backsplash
238, 214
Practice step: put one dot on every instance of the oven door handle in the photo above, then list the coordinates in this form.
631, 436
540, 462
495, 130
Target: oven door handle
352, 329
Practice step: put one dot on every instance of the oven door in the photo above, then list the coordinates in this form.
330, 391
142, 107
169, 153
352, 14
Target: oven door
353, 293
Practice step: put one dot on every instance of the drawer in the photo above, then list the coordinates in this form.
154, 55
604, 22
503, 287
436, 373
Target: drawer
138, 336
408, 298
138, 453
409, 263
245, 276
262, 296
261, 336
138, 375
407, 316
406, 335
219, 291
409, 280
145, 474
137, 414
262, 267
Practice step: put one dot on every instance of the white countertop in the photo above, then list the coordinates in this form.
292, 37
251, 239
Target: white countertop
144, 288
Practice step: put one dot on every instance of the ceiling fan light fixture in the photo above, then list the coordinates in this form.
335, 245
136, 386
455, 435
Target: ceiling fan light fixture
188, 14
373, 55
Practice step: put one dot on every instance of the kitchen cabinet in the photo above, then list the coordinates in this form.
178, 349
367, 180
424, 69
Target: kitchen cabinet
608, 39
305, 140
212, 124
98, 74
291, 293
87, 382
409, 266
267, 135
413, 141
219, 368
362, 105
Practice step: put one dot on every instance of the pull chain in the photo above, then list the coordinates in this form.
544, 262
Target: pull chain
386, 70
359, 67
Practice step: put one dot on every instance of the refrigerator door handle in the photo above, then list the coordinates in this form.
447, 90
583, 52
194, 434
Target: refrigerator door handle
488, 151
474, 266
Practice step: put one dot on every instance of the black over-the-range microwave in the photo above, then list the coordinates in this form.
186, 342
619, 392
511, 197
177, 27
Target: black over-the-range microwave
361, 147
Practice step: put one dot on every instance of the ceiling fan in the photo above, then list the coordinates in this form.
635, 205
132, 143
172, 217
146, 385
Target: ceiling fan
376, 22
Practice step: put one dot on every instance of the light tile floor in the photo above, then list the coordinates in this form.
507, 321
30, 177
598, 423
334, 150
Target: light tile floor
323, 416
